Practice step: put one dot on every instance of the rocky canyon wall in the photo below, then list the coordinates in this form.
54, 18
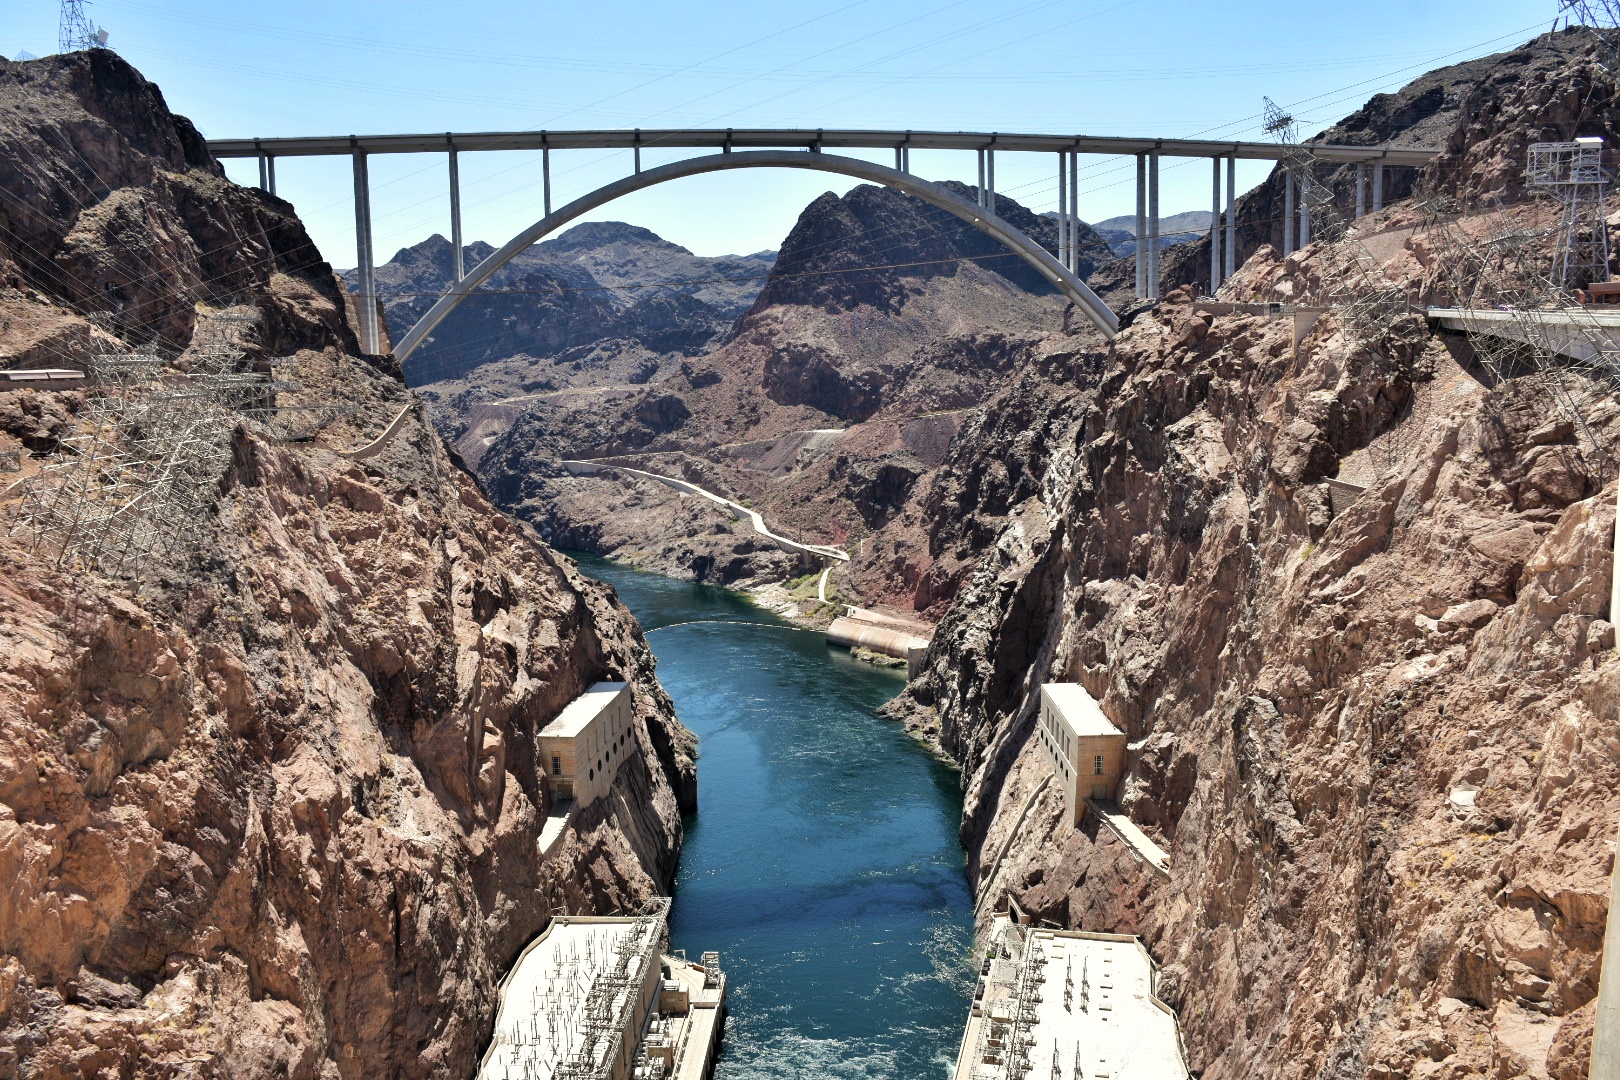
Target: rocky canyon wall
1376, 731
272, 808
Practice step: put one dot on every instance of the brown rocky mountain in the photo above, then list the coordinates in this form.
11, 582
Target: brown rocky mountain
611, 300
1455, 107
274, 807
885, 323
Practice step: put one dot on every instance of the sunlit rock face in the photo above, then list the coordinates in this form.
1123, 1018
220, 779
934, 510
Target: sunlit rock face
276, 804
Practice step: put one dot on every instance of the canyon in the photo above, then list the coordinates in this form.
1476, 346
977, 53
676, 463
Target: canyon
276, 801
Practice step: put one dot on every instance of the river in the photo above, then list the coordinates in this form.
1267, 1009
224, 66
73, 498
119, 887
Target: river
823, 862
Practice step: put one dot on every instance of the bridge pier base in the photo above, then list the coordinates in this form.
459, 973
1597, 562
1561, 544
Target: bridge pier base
1305, 209
1063, 210
1141, 225
1074, 212
1378, 186
1288, 213
455, 214
1361, 191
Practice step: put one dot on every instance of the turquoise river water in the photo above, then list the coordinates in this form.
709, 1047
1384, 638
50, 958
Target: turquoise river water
823, 862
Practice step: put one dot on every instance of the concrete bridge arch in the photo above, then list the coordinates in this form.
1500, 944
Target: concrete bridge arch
1016, 241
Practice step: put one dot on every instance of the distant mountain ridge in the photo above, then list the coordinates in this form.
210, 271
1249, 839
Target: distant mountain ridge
1120, 232
599, 282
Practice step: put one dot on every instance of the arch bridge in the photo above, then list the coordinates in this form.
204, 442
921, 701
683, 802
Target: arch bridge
807, 149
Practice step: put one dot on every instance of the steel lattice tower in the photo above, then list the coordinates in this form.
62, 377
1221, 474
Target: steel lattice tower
75, 30
1573, 173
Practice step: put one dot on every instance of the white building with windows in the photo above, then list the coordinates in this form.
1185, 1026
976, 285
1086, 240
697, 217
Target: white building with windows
582, 748
1087, 751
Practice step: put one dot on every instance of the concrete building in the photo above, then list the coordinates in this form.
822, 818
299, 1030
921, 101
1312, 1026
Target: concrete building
582, 748
1086, 751
1068, 1004
593, 999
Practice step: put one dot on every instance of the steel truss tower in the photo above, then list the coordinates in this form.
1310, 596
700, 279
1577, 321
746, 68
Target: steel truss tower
1572, 172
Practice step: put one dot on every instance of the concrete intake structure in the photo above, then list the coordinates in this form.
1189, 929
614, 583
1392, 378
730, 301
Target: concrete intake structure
852, 633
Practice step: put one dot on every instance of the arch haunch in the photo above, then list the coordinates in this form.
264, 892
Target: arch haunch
1015, 239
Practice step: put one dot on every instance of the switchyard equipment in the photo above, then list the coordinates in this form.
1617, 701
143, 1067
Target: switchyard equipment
1108, 1021
588, 1000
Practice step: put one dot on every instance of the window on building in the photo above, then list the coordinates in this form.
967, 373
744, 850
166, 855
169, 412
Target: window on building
1097, 764
556, 765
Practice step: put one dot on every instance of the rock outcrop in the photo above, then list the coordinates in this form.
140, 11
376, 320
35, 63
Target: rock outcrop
272, 808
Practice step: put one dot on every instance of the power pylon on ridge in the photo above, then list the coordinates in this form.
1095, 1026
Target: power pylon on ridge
1603, 14
75, 31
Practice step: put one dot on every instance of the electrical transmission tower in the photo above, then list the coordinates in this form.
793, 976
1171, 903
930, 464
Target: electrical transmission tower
1572, 172
1603, 14
75, 31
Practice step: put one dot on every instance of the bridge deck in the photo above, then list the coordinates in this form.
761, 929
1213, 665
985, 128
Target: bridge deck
806, 138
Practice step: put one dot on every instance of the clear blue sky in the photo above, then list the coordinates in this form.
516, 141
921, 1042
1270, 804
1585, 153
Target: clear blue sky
1163, 68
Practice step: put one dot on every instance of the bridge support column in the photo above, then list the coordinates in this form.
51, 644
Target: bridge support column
366, 302
1304, 209
1153, 225
1141, 225
1378, 186
1288, 212
1231, 216
545, 176
455, 214
1074, 212
1063, 210
1215, 229
1361, 190
264, 172
990, 180
270, 172
981, 178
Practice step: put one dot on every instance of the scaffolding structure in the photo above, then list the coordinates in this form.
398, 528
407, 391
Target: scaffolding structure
1502, 269
1374, 311
139, 476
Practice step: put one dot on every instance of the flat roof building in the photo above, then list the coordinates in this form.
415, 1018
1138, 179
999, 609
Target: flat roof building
1086, 751
582, 748
1068, 1004
593, 998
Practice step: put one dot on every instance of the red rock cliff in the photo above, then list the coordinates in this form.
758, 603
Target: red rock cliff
273, 809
